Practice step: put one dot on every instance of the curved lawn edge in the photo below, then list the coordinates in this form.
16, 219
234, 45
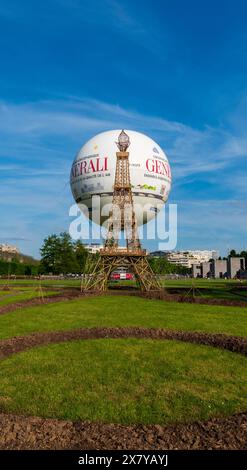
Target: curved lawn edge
67, 295
18, 344
38, 301
32, 433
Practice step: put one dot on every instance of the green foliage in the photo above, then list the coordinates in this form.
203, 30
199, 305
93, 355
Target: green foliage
242, 254
81, 255
60, 255
50, 252
161, 265
15, 267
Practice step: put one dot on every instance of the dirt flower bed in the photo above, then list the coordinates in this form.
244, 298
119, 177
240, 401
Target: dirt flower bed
19, 432
22, 343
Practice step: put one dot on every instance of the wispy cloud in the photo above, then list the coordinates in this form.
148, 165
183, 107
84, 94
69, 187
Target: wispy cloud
39, 140
191, 150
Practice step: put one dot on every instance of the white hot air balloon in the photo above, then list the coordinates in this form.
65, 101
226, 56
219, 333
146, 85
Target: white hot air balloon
93, 174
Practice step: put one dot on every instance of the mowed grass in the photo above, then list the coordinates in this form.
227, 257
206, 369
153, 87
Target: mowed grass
18, 294
199, 283
44, 282
107, 311
212, 288
124, 381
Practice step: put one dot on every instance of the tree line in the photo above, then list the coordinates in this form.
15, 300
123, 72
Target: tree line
18, 268
61, 255
161, 265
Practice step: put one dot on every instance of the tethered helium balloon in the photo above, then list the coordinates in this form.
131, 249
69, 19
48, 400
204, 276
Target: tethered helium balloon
93, 174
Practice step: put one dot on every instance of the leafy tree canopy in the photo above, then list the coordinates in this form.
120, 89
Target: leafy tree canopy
60, 255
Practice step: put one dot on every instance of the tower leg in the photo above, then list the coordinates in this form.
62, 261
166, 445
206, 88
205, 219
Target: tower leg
144, 274
99, 274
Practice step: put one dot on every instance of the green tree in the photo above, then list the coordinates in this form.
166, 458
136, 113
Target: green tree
67, 256
60, 255
50, 255
161, 265
81, 254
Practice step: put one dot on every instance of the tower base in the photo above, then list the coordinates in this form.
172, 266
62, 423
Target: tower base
113, 258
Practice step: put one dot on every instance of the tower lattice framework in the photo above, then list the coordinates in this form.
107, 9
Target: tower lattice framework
122, 217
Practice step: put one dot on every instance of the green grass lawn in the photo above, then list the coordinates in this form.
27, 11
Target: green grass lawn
224, 294
213, 288
200, 283
124, 311
124, 381
203, 283
18, 294
44, 282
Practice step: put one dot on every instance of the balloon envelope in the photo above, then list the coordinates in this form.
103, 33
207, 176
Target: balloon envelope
93, 173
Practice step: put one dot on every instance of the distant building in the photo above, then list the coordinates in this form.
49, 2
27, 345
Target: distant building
5, 248
196, 270
187, 258
206, 269
157, 254
221, 268
93, 248
235, 265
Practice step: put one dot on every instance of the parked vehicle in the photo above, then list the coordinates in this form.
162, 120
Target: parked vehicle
121, 276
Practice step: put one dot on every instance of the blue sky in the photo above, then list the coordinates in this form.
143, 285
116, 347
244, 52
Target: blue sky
175, 70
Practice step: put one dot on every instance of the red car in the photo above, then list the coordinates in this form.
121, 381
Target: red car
129, 276
122, 276
115, 276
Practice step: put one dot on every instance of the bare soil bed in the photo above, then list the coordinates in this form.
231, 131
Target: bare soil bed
18, 432
22, 343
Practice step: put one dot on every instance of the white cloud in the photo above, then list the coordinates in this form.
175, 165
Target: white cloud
190, 150
39, 140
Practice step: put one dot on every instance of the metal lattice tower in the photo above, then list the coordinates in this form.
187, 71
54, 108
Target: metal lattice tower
122, 217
